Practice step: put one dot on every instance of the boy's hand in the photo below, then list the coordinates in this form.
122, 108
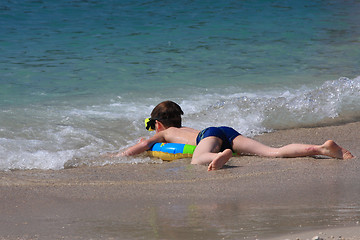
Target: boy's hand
110, 155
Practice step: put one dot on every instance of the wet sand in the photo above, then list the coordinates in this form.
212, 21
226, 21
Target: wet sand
251, 198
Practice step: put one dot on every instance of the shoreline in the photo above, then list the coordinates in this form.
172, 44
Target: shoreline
251, 198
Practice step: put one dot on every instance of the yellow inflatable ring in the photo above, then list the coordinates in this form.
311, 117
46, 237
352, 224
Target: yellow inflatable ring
171, 151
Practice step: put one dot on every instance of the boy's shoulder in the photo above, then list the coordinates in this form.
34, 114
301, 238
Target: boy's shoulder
180, 131
173, 129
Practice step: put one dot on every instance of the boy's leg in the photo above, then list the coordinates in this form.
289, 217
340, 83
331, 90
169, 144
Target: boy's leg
246, 145
207, 152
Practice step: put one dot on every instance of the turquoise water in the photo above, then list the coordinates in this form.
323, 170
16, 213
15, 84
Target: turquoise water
78, 77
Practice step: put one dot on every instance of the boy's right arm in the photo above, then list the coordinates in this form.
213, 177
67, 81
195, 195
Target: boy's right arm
143, 145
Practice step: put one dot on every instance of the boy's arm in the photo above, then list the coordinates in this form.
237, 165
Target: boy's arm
143, 145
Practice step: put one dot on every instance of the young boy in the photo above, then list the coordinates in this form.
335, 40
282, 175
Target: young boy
215, 145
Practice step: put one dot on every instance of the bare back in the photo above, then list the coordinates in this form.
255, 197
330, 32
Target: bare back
181, 135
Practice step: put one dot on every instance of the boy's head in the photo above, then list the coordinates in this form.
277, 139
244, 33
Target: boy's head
168, 113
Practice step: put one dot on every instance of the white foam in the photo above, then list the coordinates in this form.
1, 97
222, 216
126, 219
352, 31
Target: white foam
256, 112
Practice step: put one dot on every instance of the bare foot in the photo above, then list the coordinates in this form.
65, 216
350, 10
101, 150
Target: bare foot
331, 149
220, 160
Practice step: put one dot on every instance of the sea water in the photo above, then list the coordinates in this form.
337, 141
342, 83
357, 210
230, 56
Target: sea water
79, 77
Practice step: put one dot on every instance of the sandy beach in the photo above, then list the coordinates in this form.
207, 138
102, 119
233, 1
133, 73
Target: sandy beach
251, 198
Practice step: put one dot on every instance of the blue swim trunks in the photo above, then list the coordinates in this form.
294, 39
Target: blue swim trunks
226, 134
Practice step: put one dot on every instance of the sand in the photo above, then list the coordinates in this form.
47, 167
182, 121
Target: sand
251, 198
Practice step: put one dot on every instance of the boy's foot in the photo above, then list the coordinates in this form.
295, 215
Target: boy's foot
333, 150
220, 160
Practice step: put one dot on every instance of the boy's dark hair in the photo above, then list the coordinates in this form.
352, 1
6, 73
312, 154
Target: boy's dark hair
168, 113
